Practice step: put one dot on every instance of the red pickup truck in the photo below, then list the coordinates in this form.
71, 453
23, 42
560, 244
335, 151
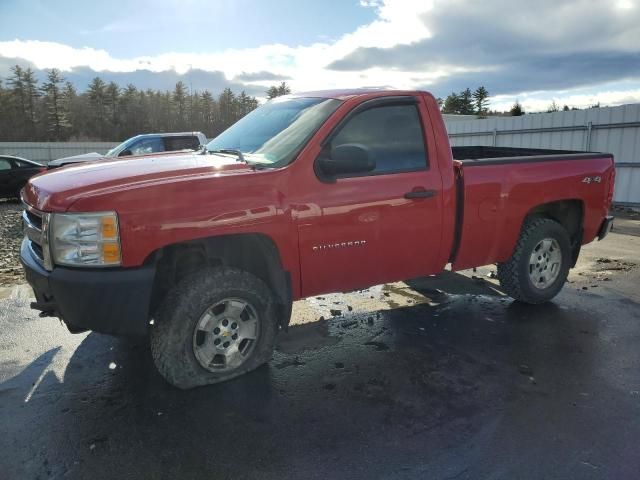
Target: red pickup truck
310, 193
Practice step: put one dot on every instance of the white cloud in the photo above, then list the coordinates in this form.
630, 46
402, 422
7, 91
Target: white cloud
625, 4
565, 28
540, 102
397, 23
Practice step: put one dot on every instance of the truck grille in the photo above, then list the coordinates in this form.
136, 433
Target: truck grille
34, 218
35, 226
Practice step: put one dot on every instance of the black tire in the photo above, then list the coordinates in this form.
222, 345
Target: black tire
171, 335
514, 273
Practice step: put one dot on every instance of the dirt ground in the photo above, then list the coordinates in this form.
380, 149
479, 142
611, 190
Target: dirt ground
10, 239
439, 377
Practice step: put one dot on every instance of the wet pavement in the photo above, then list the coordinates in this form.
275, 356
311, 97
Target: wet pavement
441, 377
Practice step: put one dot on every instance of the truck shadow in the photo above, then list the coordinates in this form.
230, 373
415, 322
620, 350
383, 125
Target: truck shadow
452, 283
406, 382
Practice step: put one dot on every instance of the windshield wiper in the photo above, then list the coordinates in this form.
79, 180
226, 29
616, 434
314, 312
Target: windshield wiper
232, 151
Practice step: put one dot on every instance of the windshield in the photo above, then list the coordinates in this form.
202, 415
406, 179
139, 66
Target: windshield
274, 133
116, 150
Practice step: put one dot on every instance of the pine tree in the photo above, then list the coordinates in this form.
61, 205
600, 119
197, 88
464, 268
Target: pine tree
466, 102
227, 107
17, 87
111, 104
516, 109
195, 112
154, 109
97, 102
246, 104
144, 104
272, 92
209, 114
128, 111
451, 104
168, 119
481, 101
284, 89
180, 102
5, 114
278, 90
75, 106
31, 89
57, 112
23, 97
69, 94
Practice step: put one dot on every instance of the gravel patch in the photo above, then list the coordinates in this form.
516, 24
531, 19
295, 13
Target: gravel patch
10, 239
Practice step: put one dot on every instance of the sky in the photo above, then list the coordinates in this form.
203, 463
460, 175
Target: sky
573, 52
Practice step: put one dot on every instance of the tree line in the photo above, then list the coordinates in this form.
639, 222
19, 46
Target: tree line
56, 111
467, 102
517, 109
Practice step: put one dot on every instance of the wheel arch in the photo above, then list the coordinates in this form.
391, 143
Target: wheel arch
570, 214
255, 253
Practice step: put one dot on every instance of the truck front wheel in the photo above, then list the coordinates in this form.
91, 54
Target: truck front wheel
216, 324
539, 265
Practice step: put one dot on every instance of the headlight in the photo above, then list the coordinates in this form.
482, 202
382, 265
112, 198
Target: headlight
85, 239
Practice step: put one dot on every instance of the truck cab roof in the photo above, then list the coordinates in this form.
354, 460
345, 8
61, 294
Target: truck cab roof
344, 94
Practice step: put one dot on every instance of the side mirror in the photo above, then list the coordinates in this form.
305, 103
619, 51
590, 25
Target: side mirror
347, 159
125, 153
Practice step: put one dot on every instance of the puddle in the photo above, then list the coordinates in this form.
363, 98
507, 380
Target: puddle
310, 336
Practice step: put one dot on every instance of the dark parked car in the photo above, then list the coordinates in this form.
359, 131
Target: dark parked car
145, 144
14, 173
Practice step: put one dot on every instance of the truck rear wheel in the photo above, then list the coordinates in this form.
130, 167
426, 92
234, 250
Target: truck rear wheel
216, 324
539, 265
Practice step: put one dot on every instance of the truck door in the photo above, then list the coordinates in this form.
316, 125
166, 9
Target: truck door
382, 225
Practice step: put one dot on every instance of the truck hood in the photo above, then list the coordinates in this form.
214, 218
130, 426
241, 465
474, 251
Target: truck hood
57, 190
83, 157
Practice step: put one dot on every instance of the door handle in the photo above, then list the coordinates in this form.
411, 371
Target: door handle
421, 194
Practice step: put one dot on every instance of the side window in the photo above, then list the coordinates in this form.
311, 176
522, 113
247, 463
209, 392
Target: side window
392, 134
147, 145
181, 143
20, 164
5, 164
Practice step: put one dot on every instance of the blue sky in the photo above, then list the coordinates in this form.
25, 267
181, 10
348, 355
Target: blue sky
577, 52
182, 26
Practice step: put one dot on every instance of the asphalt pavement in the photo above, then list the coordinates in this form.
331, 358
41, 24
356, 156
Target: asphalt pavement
440, 378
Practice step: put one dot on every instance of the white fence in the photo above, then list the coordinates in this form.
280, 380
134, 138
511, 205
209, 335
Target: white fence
611, 129
46, 151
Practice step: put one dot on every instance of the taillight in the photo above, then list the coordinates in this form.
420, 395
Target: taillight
612, 182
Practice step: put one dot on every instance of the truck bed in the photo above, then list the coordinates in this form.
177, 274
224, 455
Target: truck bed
485, 155
496, 187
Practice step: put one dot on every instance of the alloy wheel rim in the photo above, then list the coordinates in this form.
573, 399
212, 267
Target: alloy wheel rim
545, 263
226, 335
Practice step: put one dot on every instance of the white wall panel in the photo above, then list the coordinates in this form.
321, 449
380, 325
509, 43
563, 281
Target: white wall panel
47, 151
614, 130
